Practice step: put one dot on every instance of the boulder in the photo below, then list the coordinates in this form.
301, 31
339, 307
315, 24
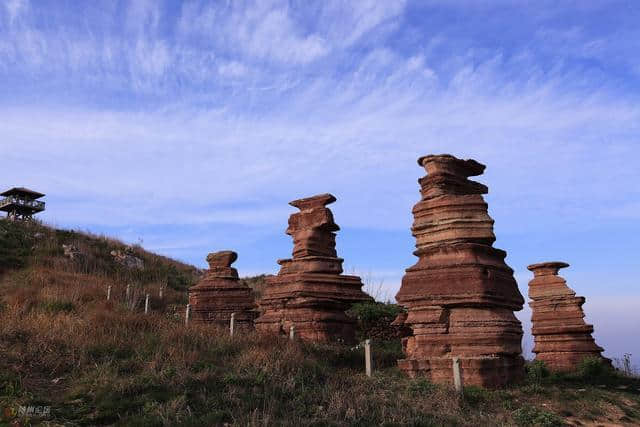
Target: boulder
127, 259
71, 251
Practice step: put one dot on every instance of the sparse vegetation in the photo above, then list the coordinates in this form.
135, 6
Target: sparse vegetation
99, 362
532, 416
257, 283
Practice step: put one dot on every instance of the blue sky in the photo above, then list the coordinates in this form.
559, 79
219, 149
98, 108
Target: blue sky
190, 125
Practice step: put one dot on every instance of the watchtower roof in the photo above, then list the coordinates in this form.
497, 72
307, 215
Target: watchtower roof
17, 191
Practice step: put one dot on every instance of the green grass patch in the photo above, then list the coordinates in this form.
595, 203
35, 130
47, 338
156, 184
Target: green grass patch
532, 416
57, 306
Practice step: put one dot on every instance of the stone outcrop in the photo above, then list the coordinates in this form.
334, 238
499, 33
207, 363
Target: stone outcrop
460, 295
220, 293
562, 338
71, 251
128, 259
309, 292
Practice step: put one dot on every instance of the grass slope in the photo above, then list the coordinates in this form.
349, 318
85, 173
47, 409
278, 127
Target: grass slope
98, 362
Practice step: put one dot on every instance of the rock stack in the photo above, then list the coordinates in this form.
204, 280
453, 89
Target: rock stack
562, 338
309, 292
220, 293
460, 295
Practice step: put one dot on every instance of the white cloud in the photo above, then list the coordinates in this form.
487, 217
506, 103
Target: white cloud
349, 21
15, 8
357, 137
232, 69
261, 30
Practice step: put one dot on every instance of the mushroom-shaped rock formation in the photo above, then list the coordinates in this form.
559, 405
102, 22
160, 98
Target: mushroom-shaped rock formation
220, 293
562, 338
460, 295
309, 292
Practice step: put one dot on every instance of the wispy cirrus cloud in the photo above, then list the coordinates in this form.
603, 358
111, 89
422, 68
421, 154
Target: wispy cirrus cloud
191, 125
203, 104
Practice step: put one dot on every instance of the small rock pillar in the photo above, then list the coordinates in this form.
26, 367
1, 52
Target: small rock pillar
220, 293
309, 292
562, 338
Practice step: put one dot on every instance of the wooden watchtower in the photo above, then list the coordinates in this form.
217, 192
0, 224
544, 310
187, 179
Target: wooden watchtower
21, 203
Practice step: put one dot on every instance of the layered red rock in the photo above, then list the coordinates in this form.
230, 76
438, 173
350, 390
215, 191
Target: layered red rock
460, 296
220, 293
309, 292
562, 337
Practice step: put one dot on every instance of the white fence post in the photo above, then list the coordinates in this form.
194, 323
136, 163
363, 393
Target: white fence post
160, 293
128, 293
186, 314
457, 375
292, 332
146, 304
232, 324
109, 293
367, 357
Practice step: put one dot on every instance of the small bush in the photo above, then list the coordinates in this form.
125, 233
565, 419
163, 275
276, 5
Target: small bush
10, 385
372, 312
594, 369
374, 320
422, 387
15, 244
531, 416
476, 396
537, 372
58, 306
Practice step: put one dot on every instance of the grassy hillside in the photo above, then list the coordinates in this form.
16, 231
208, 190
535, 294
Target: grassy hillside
99, 362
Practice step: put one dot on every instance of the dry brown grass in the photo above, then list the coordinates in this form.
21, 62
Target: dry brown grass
98, 362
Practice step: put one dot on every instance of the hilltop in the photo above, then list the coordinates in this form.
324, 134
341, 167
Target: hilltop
98, 362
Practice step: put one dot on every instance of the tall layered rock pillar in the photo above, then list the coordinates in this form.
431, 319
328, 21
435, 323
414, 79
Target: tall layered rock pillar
220, 293
562, 338
309, 292
460, 296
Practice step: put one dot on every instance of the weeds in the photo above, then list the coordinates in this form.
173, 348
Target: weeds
531, 416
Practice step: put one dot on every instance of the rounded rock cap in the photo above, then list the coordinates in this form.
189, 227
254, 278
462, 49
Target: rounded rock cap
222, 259
446, 163
545, 268
317, 201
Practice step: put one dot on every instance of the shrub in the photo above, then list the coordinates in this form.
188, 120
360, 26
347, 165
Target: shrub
594, 369
537, 372
374, 320
422, 387
16, 243
475, 396
371, 312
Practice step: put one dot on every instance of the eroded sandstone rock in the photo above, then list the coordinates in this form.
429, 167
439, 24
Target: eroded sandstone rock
220, 293
562, 338
460, 295
309, 291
